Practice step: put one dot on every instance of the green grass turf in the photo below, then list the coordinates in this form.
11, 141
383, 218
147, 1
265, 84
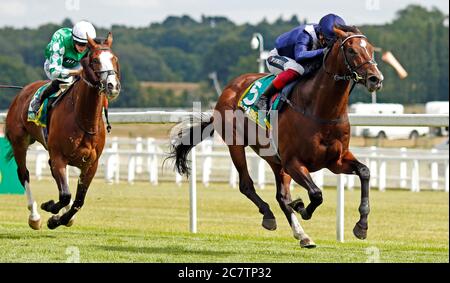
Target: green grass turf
145, 223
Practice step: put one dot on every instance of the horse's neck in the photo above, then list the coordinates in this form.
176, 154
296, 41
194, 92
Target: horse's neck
88, 107
322, 96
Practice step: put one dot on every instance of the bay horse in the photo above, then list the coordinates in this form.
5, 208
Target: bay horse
313, 132
76, 132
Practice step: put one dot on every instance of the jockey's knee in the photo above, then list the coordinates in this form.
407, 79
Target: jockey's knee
294, 66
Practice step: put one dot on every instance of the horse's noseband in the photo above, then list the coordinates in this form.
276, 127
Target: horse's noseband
102, 84
354, 70
354, 75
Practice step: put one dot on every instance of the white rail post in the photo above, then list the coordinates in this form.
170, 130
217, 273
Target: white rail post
139, 151
152, 161
382, 177
233, 176
131, 169
112, 162
261, 173
340, 208
178, 178
207, 161
415, 178
193, 193
434, 172
403, 168
446, 177
350, 182
373, 167
40, 162
318, 178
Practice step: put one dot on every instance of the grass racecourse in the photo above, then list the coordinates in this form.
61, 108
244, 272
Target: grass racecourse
145, 223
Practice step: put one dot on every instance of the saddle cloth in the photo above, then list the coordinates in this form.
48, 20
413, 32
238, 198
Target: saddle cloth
40, 118
250, 97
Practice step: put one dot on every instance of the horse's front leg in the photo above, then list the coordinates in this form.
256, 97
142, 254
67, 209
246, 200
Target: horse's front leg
300, 174
84, 181
350, 165
58, 169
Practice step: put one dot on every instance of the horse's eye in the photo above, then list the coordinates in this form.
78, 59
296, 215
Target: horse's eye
95, 61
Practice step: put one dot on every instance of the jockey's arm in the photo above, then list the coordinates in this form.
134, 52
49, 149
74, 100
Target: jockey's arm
301, 50
56, 68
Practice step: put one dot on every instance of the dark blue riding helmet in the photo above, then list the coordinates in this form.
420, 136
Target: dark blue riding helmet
326, 25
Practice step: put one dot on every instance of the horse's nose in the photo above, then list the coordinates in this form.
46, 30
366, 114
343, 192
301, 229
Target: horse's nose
374, 79
374, 82
110, 86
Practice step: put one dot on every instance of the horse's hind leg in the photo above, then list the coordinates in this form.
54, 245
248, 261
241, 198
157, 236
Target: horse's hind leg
20, 146
246, 187
84, 181
283, 197
301, 175
58, 169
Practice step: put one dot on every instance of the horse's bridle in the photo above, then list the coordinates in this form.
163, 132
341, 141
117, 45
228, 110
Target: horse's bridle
102, 85
354, 75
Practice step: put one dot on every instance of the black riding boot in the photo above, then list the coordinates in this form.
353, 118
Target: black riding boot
264, 99
49, 90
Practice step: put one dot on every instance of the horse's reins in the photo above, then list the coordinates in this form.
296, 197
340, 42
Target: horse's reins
354, 76
11, 86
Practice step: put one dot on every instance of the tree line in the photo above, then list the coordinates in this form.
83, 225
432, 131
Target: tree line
181, 49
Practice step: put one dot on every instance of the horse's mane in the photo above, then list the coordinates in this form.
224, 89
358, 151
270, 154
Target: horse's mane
346, 28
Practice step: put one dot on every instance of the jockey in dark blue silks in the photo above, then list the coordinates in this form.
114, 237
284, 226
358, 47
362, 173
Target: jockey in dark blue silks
295, 50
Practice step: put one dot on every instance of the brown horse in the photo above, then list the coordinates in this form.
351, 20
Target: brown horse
76, 133
313, 133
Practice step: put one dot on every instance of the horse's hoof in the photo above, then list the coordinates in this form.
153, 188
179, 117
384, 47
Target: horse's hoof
35, 224
297, 205
70, 223
307, 243
47, 206
269, 224
360, 232
52, 222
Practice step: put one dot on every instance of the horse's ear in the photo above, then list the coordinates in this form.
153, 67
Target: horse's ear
91, 43
109, 39
340, 33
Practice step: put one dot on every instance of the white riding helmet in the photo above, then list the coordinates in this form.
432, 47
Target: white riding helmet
81, 30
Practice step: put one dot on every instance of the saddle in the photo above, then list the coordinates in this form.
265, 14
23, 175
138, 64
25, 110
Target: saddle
249, 100
42, 117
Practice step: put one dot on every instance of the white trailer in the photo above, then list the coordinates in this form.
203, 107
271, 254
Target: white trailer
437, 107
381, 131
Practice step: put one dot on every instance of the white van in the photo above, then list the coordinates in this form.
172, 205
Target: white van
437, 107
383, 131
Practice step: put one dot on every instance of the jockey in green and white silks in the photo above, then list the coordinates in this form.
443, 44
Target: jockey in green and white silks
62, 57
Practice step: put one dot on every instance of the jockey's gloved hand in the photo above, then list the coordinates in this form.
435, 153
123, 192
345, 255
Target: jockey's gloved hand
75, 72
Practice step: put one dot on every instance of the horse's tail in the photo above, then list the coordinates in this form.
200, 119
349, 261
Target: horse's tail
187, 134
9, 154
